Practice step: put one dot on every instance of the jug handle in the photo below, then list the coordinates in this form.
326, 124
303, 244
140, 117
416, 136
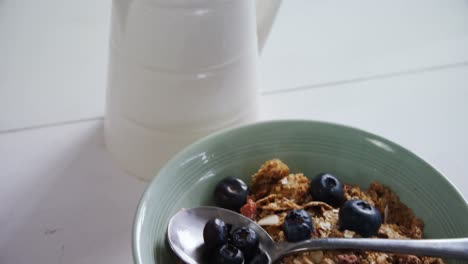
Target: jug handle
266, 13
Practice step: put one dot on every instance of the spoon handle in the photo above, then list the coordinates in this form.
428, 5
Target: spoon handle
451, 248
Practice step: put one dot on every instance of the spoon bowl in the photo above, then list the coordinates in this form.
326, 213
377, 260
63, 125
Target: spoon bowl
185, 231
185, 236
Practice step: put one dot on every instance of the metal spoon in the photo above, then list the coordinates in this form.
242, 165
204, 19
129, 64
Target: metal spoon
185, 236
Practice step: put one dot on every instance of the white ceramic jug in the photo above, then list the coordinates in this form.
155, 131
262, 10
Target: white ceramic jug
179, 70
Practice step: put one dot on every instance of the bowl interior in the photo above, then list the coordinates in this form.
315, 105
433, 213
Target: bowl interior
353, 155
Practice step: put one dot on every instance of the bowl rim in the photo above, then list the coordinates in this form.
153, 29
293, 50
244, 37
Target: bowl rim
136, 253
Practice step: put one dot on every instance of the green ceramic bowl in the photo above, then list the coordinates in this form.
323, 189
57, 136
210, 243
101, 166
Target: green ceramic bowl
357, 157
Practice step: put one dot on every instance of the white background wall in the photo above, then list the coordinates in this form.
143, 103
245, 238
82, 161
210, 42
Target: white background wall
53, 53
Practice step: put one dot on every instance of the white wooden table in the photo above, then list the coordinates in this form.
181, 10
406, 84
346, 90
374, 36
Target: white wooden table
397, 69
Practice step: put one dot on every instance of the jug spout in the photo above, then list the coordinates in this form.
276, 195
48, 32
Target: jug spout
266, 13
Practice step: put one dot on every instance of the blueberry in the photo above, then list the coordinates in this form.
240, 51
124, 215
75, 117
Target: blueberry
297, 226
327, 188
229, 227
260, 258
229, 254
246, 239
231, 193
359, 216
215, 233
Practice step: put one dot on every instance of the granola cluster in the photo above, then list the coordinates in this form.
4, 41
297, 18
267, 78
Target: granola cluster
275, 191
